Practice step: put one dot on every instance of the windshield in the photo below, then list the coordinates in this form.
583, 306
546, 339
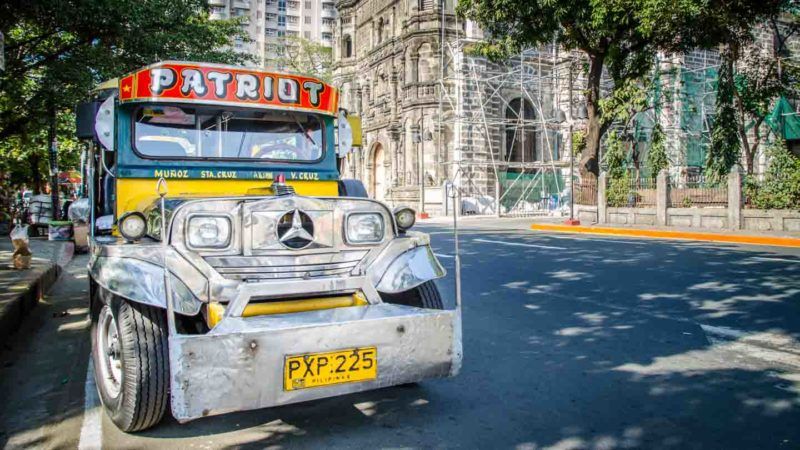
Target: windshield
188, 133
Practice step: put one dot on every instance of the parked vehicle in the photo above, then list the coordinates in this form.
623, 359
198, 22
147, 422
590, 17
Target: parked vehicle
239, 271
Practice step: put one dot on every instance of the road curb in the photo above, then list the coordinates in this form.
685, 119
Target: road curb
665, 234
26, 295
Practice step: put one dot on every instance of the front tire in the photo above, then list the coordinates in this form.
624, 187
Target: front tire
426, 295
130, 355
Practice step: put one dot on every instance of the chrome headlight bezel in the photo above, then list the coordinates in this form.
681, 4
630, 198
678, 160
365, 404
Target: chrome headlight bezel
361, 216
126, 218
219, 219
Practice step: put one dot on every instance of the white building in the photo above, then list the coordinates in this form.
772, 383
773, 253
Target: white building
270, 22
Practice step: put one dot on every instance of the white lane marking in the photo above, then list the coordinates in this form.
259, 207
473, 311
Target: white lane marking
518, 244
766, 259
91, 430
442, 255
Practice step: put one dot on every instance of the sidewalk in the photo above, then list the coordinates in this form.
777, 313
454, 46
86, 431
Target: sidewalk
781, 239
556, 225
21, 290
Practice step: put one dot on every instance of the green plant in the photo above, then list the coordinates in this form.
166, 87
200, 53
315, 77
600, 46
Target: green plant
618, 191
578, 143
781, 186
615, 156
657, 156
686, 202
724, 150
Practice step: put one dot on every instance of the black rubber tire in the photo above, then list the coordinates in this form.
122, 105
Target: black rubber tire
425, 295
144, 392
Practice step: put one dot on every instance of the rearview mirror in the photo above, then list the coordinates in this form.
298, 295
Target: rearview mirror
349, 131
104, 124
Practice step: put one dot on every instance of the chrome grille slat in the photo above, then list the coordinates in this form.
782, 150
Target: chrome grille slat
271, 267
280, 269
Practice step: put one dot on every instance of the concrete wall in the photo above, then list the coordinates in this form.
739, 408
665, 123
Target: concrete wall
735, 216
770, 220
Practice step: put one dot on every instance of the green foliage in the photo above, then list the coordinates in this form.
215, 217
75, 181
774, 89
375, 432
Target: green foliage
578, 142
306, 57
657, 156
619, 179
619, 192
58, 50
622, 36
781, 186
627, 99
615, 156
724, 150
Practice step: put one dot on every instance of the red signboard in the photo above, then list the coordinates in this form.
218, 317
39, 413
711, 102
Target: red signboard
216, 84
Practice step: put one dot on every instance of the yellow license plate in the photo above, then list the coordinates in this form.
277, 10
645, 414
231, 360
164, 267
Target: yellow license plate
324, 369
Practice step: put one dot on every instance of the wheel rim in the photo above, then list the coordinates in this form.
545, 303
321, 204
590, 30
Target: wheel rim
110, 353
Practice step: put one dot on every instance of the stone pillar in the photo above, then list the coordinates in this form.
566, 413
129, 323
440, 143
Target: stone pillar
662, 197
735, 199
414, 69
601, 198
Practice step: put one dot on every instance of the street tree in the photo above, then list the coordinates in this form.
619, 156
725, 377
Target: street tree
57, 50
619, 38
302, 56
761, 77
724, 150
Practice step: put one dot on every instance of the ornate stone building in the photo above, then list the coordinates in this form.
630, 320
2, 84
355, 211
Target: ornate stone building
394, 73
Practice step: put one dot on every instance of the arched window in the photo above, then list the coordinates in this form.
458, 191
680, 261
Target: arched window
521, 134
347, 46
424, 69
380, 30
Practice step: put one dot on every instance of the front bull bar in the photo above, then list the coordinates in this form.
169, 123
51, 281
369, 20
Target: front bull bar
239, 364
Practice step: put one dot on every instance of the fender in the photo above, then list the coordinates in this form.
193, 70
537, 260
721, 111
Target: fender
142, 282
410, 269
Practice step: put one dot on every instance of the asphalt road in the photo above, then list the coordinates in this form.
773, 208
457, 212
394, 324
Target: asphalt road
569, 342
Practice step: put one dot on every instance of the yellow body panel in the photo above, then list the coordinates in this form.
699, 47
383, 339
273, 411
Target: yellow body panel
135, 194
216, 310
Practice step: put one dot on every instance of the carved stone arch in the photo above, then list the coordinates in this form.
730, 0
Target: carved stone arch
376, 169
426, 62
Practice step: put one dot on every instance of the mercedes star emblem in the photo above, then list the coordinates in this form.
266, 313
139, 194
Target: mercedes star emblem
295, 230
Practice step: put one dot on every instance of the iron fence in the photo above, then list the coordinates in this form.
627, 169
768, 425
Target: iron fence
586, 193
696, 191
631, 192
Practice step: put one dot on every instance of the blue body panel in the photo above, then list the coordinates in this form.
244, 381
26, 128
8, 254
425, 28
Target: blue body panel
131, 165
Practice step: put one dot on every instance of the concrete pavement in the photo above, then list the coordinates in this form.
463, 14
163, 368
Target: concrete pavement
20, 290
569, 342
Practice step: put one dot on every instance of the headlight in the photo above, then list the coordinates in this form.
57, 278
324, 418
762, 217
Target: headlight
364, 228
132, 226
405, 217
209, 232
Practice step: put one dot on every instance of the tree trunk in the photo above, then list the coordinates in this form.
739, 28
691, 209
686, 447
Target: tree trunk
36, 175
589, 165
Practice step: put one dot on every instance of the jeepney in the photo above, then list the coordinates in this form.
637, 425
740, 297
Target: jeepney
231, 268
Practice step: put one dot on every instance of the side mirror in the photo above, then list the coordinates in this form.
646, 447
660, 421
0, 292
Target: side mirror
349, 130
104, 124
84, 119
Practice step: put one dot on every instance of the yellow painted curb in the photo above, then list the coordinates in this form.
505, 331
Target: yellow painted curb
663, 234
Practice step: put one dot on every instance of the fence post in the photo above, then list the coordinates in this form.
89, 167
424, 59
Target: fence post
662, 197
601, 198
735, 199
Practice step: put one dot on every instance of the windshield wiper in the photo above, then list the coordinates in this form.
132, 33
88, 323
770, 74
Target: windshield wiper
303, 130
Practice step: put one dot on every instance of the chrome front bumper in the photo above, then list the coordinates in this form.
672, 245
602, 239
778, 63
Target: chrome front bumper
239, 364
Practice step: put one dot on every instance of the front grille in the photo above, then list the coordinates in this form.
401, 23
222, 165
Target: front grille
265, 267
